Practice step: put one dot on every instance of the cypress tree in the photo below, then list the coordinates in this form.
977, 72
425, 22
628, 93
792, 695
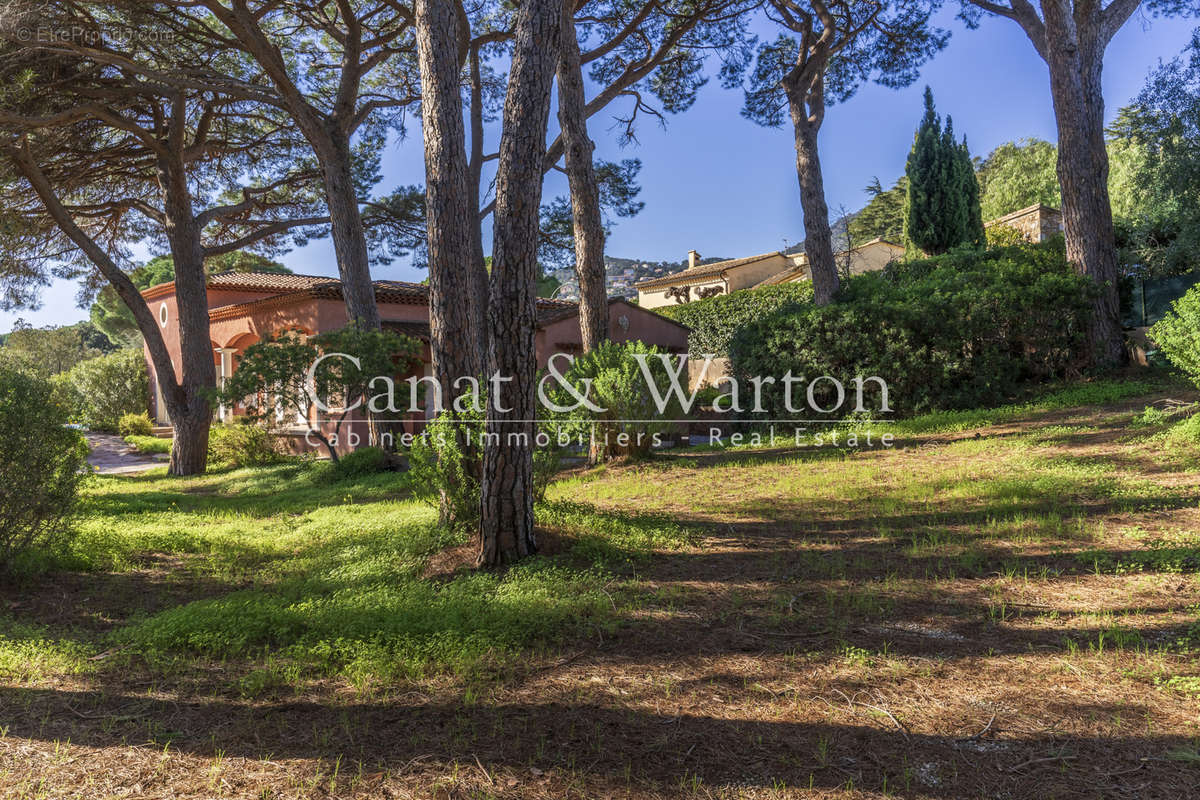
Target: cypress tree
942, 204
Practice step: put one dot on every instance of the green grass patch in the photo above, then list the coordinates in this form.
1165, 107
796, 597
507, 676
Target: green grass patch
148, 444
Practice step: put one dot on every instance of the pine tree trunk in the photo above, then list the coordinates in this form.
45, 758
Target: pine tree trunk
1075, 57
506, 529
478, 309
187, 403
346, 228
457, 329
818, 238
449, 215
587, 221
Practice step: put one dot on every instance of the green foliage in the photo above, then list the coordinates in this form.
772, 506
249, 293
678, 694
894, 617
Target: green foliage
1017, 175
883, 216
135, 424
148, 444
359, 464
1178, 334
715, 320
611, 377
444, 469
104, 389
941, 208
958, 331
53, 349
242, 444
41, 468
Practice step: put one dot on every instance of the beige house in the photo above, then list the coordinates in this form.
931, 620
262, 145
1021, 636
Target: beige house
700, 281
869, 257
1037, 223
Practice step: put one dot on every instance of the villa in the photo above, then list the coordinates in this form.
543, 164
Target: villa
247, 307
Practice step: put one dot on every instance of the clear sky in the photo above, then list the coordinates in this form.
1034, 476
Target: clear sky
715, 182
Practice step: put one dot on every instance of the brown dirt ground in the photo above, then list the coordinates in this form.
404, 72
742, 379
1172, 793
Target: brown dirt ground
737, 678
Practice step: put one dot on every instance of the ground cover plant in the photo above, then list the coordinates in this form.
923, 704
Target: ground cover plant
1004, 605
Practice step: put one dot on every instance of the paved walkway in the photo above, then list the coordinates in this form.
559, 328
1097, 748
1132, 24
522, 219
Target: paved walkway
111, 456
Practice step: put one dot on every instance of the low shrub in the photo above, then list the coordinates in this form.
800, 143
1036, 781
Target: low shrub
135, 424
41, 467
148, 444
106, 388
359, 464
715, 320
962, 330
242, 444
1178, 334
611, 377
444, 472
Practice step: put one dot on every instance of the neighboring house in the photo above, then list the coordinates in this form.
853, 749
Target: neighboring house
868, 257
1037, 223
699, 281
247, 307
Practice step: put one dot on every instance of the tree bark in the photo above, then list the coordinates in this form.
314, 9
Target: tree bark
506, 527
449, 213
818, 238
586, 218
457, 329
346, 229
478, 276
1075, 57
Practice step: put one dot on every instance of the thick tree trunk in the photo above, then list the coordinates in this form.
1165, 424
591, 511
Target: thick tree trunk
506, 528
449, 211
187, 402
346, 229
1075, 58
818, 239
586, 218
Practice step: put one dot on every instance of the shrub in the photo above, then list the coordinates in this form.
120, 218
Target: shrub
445, 475
962, 330
360, 463
107, 387
242, 444
135, 425
148, 444
1178, 334
714, 321
41, 467
630, 420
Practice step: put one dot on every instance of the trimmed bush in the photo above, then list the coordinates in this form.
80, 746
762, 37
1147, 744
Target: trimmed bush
242, 445
714, 321
1178, 334
962, 330
41, 467
108, 387
135, 425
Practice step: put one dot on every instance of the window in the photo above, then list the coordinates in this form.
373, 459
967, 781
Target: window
162, 315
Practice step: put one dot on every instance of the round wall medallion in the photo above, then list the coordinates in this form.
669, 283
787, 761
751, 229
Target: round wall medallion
162, 315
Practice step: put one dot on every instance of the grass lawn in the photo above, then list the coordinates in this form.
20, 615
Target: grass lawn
1003, 605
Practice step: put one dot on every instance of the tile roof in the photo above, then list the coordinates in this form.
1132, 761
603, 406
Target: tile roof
267, 281
702, 271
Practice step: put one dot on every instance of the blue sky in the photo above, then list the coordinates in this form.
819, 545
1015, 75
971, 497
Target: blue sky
715, 182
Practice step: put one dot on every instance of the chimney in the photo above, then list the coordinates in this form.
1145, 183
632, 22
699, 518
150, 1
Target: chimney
693, 258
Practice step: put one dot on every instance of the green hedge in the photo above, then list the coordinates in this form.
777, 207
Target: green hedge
714, 321
1178, 334
961, 330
